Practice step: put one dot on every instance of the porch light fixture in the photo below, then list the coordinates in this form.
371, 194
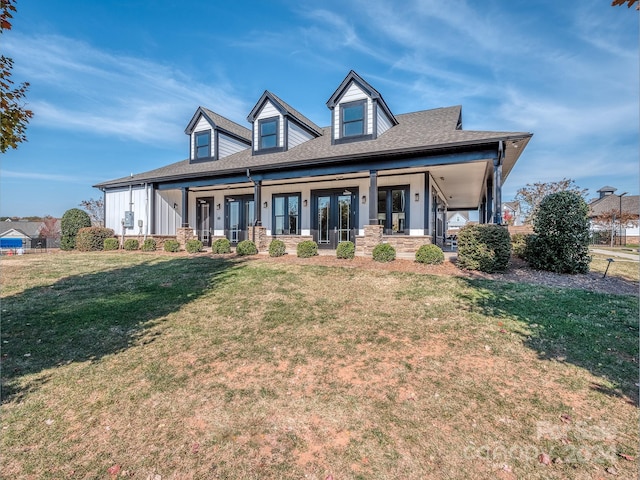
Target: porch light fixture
304, 203
218, 207
364, 199
264, 205
417, 197
175, 205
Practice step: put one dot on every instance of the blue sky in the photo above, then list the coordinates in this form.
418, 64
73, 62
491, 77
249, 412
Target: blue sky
114, 83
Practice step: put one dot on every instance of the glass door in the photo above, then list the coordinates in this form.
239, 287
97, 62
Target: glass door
240, 215
204, 220
335, 217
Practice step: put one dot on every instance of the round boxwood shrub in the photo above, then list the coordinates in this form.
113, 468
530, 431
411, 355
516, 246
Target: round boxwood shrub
171, 246
72, 221
193, 245
91, 239
561, 240
246, 247
111, 244
221, 245
346, 250
485, 247
430, 254
131, 244
306, 249
383, 252
519, 244
149, 245
277, 248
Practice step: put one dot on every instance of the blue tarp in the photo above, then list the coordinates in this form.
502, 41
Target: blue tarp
10, 243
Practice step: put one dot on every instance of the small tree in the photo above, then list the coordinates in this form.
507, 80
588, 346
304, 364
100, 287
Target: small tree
561, 240
72, 221
95, 209
50, 228
531, 195
12, 107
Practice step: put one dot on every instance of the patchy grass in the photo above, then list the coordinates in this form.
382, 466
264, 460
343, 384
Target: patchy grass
204, 367
621, 267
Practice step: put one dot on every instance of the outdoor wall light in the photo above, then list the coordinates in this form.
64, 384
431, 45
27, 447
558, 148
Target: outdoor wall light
417, 197
175, 205
364, 199
264, 205
304, 202
218, 207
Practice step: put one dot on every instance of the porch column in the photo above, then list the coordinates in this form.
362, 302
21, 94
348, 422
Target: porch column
489, 212
373, 197
257, 202
185, 207
497, 191
427, 203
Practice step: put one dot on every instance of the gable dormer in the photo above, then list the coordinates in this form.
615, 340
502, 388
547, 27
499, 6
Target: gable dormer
212, 136
277, 127
358, 111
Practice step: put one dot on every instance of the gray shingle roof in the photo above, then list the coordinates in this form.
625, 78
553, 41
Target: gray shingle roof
222, 122
297, 115
416, 132
31, 229
611, 203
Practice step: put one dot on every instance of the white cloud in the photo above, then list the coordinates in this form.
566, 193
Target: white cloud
4, 174
107, 94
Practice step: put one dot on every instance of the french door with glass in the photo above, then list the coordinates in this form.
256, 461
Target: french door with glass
334, 217
204, 220
239, 215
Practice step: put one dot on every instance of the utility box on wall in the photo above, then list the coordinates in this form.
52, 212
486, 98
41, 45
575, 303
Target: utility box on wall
128, 220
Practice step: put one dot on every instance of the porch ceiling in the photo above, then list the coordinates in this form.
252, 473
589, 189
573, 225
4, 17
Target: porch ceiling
461, 184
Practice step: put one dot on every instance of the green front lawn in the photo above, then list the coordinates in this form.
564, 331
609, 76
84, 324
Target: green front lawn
119, 365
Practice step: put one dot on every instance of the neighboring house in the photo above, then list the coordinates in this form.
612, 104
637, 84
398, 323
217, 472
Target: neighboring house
606, 211
18, 234
369, 176
457, 220
512, 214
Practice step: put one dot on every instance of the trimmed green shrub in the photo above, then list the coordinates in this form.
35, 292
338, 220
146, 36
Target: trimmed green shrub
430, 254
246, 247
131, 244
484, 247
221, 245
193, 245
383, 252
277, 248
91, 239
111, 244
72, 221
171, 246
149, 245
306, 249
519, 244
561, 240
346, 250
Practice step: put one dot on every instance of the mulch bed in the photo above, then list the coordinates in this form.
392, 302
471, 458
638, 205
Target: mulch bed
518, 272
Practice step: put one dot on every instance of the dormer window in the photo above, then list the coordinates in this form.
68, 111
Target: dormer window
268, 133
353, 118
203, 144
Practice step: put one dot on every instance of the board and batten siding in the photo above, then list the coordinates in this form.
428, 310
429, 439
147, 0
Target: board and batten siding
168, 219
268, 111
228, 145
353, 94
384, 123
297, 135
201, 126
122, 200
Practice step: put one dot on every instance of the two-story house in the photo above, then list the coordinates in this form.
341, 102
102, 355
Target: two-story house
369, 176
